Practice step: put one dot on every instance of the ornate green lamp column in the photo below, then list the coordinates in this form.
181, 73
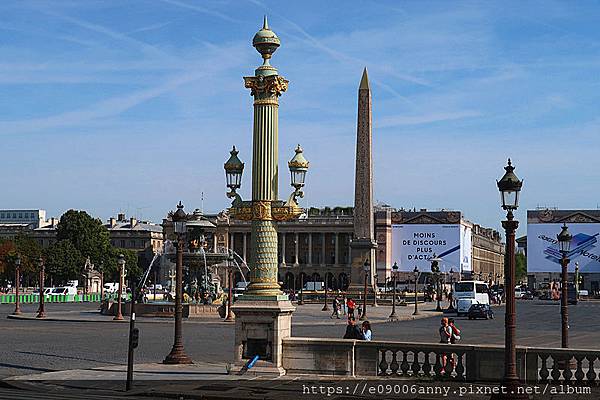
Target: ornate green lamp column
263, 303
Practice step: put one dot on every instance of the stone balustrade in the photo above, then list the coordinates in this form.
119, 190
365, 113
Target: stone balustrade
470, 363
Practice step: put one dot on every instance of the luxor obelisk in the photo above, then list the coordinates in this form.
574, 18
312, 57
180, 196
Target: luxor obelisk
363, 244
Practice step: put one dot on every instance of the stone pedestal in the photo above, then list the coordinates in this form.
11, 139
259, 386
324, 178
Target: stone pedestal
261, 324
360, 251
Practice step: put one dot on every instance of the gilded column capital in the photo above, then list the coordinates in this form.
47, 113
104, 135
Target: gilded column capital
264, 86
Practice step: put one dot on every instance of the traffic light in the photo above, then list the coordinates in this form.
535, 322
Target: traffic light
135, 336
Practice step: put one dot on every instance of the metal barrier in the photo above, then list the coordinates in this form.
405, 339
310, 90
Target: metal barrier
28, 298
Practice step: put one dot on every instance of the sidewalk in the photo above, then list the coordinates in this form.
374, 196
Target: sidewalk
211, 381
307, 314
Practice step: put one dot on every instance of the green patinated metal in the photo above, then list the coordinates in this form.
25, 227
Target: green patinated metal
266, 87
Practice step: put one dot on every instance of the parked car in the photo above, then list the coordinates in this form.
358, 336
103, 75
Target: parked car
480, 311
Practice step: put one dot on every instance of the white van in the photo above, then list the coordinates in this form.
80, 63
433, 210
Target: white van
111, 287
63, 290
468, 293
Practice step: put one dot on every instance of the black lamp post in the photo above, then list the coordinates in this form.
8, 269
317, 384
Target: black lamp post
325, 308
17, 285
42, 310
510, 187
121, 264
393, 316
229, 316
177, 354
451, 305
301, 298
564, 242
435, 269
416, 275
367, 269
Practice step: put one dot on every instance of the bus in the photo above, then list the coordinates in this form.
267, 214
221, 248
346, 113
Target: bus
467, 293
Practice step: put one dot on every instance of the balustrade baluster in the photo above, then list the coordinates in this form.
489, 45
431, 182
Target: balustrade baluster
426, 365
591, 374
460, 367
383, 364
404, 363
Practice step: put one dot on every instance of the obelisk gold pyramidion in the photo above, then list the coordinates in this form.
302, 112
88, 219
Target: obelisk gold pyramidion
265, 209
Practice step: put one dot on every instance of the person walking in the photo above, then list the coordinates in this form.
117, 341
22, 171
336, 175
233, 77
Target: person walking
336, 308
344, 301
351, 305
353, 331
445, 334
366, 330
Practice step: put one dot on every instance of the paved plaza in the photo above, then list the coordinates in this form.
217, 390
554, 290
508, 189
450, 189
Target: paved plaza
34, 347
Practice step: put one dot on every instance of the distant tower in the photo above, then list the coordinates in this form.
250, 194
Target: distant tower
363, 244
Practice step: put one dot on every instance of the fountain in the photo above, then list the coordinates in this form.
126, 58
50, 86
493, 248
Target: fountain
203, 295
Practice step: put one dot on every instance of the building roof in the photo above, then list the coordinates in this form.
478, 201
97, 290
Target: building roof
139, 226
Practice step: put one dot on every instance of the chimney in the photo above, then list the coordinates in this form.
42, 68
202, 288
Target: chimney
112, 221
53, 222
121, 217
132, 222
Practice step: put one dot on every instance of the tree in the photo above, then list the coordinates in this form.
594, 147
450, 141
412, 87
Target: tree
63, 261
521, 266
111, 268
7, 255
86, 234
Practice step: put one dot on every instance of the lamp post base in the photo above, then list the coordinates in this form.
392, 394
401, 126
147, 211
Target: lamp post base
393, 317
41, 314
177, 356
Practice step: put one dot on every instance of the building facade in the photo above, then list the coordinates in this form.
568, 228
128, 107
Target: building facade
543, 258
316, 247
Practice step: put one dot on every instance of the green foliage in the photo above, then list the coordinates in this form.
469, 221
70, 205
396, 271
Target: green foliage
521, 266
64, 261
111, 269
7, 254
87, 234
29, 251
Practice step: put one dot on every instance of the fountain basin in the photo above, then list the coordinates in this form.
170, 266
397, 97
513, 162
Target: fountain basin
164, 309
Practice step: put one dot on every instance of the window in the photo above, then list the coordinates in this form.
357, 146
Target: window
1, 215
20, 215
481, 288
15, 215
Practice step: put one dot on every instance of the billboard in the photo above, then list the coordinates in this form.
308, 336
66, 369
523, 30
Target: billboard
414, 245
543, 253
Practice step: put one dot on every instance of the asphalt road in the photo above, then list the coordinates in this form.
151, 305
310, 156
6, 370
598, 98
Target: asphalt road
28, 347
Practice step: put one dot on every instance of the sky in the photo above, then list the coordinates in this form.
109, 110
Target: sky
112, 106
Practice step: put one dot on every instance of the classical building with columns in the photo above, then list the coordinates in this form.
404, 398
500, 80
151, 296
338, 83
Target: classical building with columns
318, 244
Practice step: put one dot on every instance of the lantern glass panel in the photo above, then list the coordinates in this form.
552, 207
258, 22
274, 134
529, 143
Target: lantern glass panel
565, 245
179, 227
510, 199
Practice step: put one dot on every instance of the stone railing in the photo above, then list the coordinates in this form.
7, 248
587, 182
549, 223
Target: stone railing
426, 361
